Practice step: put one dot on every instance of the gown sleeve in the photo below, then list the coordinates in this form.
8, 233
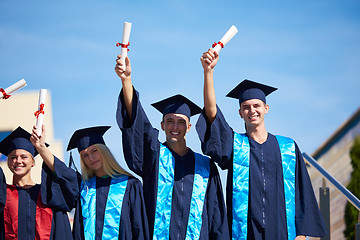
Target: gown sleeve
59, 190
138, 217
140, 139
218, 223
2, 190
216, 139
308, 220
78, 227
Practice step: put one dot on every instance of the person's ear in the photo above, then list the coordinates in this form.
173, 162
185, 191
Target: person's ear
188, 127
266, 108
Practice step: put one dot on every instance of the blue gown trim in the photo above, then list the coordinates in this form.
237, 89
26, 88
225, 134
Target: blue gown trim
112, 209
288, 156
164, 195
240, 199
201, 178
241, 164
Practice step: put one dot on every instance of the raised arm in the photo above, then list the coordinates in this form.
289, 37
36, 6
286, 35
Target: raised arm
59, 187
126, 83
39, 144
208, 61
215, 134
140, 139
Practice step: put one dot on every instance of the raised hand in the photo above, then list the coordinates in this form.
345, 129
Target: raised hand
119, 68
209, 59
38, 142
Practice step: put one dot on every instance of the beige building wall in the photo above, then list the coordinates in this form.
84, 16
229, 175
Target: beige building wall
18, 110
336, 160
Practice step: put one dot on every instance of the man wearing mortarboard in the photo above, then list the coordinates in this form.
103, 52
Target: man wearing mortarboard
183, 193
269, 193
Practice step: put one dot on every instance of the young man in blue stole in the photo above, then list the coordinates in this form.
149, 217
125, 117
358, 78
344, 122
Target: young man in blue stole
269, 193
183, 193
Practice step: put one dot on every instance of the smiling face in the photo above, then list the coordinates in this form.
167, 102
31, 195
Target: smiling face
175, 126
20, 162
253, 112
92, 159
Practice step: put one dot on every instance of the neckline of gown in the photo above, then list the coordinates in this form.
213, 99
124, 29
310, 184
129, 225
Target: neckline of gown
175, 155
257, 143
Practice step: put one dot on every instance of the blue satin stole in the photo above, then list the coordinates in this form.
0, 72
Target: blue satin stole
164, 195
112, 209
241, 163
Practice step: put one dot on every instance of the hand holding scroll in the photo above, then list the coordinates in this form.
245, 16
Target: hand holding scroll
120, 69
209, 59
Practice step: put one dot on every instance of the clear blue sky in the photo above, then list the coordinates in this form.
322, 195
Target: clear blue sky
310, 50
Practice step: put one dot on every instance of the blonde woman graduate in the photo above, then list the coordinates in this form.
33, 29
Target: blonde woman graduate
111, 203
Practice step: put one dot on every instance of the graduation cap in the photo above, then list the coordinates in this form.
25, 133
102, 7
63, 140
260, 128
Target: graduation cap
177, 104
84, 138
247, 90
18, 139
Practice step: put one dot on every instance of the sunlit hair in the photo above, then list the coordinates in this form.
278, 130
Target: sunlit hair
110, 165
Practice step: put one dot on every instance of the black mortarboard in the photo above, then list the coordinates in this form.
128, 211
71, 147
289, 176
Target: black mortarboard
84, 138
18, 139
247, 90
177, 104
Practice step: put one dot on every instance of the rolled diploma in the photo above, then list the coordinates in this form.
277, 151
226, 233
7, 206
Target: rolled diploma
14, 87
125, 40
40, 118
226, 38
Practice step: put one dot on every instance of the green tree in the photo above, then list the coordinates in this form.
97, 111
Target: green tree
351, 213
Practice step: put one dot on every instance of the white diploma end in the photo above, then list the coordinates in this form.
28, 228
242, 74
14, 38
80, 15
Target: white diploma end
125, 42
16, 86
39, 114
225, 39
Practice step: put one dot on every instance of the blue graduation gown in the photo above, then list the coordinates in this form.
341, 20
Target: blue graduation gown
57, 193
266, 210
133, 219
141, 150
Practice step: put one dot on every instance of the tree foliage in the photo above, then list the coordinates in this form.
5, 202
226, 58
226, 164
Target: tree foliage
351, 213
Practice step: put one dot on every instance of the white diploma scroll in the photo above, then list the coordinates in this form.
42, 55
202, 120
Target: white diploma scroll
125, 42
226, 38
39, 114
14, 87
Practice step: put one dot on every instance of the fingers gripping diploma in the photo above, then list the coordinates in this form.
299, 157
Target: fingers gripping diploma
209, 59
36, 140
41, 147
122, 71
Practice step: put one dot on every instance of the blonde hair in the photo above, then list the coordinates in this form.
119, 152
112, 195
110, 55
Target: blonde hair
110, 165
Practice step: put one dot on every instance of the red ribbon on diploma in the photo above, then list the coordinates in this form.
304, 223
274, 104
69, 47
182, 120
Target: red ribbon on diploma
221, 44
41, 110
6, 96
123, 45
